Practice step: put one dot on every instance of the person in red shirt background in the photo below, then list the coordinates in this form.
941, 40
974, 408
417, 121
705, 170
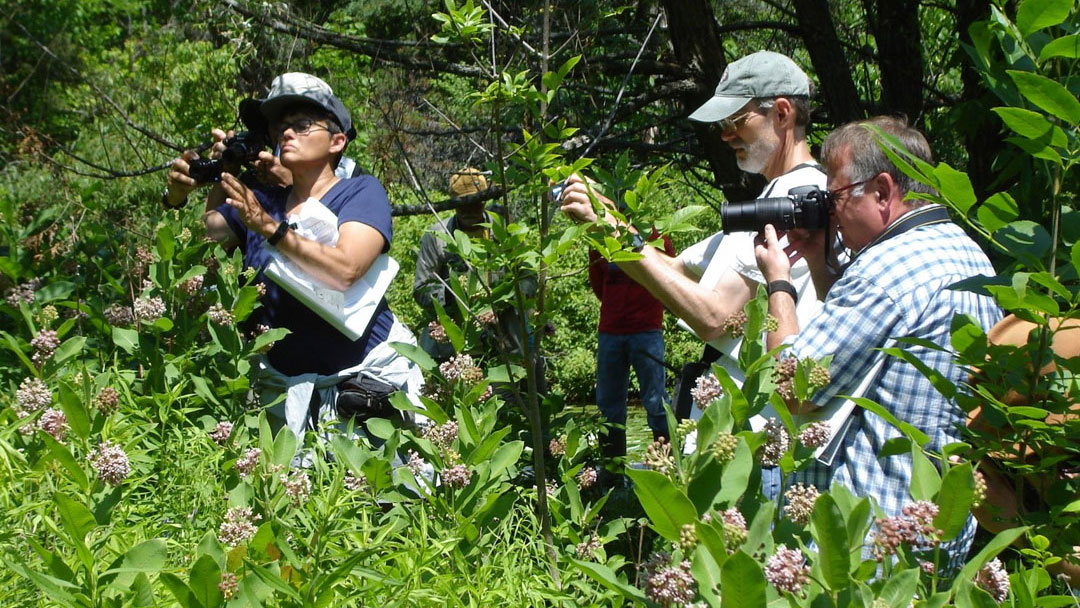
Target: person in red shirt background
630, 334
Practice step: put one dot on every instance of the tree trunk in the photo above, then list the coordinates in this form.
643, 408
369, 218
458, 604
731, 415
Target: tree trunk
837, 88
696, 41
980, 127
899, 42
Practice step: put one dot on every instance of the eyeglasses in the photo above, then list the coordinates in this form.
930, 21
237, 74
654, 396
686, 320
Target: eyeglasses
300, 126
834, 194
730, 124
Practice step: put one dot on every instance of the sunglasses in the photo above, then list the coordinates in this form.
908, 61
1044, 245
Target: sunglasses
300, 126
730, 124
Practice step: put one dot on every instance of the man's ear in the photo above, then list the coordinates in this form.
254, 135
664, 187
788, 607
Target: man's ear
785, 111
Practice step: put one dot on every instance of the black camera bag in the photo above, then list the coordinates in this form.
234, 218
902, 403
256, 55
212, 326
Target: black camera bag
362, 397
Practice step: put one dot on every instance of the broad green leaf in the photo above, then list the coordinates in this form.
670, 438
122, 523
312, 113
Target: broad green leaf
506, 456
56, 589
70, 348
63, 455
77, 519
127, 339
997, 211
147, 556
707, 574
1066, 46
955, 186
736, 474
204, 579
180, 591
275, 582
1034, 15
78, 416
900, 587
925, 479
742, 581
284, 447
667, 506
415, 354
954, 501
830, 533
1049, 95
1032, 125
607, 577
989, 551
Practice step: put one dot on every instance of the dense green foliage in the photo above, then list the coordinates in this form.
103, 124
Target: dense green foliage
121, 484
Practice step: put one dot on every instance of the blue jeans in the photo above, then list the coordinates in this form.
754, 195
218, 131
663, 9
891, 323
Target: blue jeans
615, 353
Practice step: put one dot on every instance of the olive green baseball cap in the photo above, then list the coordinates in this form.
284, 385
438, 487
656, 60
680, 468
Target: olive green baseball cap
761, 74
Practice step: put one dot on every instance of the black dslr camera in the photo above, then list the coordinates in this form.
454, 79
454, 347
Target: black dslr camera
240, 149
804, 207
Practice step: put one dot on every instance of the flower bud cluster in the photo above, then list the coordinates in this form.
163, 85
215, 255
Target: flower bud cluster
111, 463
23, 293
32, 395
229, 584
914, 527
457, 476
442, 435
980, 490
688, 538
219, 315
47, 315
117, 314
588, 547
706, 391
297, 486
486, 318
735, 325
415, 463
815, 435
106, 400
438, 332
723, 448
993, 579
658, 457
686, 427
247, 463
354, 483
557, 446
777, 442
800, 503
238, 527
221, 432
587, 478
149, 309
671, 586
192, 286
44, 345
461, 367
787, 570
55, 423
735, 531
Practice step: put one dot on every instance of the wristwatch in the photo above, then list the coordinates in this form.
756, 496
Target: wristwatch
637, 243
165, 200
785, 287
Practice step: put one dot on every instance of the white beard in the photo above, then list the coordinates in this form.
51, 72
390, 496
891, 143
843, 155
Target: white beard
756, 155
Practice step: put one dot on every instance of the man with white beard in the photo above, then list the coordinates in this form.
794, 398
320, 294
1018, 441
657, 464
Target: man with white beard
762, 105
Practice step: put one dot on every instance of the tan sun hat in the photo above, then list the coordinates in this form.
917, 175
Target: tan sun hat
467, 181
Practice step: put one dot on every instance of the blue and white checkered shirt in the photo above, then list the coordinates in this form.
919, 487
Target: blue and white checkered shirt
897, 288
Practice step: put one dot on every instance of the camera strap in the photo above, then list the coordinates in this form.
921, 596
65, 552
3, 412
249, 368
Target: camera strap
923, 216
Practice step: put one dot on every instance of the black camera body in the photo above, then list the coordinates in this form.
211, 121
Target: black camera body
242, 148
805, 207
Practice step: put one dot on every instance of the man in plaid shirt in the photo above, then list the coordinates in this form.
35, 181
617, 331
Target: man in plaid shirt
897, 285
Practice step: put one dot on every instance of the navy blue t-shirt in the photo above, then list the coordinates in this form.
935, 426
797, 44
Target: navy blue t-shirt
314, 345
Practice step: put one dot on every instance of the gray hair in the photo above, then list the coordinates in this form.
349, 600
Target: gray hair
801, 103
868, 160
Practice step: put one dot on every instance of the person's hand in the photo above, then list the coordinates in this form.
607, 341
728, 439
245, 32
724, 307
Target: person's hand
773, 260
180, 183
219, 141
575, 202
240, 197
271, 172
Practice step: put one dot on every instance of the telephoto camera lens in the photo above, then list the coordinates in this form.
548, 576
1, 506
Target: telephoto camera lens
805, 207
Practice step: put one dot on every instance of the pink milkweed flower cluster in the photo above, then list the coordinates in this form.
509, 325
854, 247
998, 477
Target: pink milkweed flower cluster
457, 476
111, 463
297, 486
438, 332
55, 423
461, 367
672, 585
247, 463
708, 389
219, 315
221, 432
914, 526
787, 570
31, 396
815, 435
800, 503
44, 345
238, 527
777, 442
993, 579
